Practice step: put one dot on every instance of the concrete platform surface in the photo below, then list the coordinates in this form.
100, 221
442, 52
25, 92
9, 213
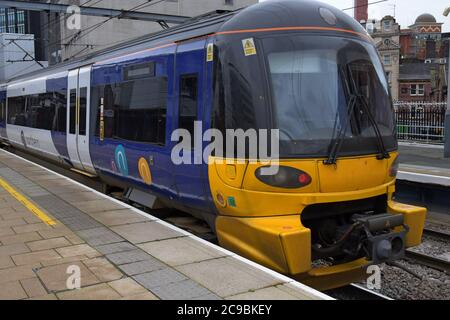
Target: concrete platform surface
53, 228
423, 164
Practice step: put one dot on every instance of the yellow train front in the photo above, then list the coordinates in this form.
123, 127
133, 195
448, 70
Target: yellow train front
311, 72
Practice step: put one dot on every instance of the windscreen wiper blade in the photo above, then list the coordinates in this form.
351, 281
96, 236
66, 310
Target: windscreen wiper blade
332, 156
384, 154
336, 143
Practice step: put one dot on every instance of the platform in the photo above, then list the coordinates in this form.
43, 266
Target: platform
425, 164
49, 223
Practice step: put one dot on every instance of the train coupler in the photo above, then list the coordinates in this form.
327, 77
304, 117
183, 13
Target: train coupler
382, 244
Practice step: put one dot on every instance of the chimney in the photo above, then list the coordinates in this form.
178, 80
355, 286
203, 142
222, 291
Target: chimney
361, 10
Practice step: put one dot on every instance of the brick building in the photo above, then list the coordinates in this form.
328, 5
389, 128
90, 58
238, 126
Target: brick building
423, 39
415, 59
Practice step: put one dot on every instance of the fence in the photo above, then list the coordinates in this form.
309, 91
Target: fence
420, 121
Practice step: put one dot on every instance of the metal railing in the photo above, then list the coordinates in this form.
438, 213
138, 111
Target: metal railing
420, 121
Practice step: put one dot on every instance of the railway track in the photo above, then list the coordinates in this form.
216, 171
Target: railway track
429, 261
355, 292
437, 234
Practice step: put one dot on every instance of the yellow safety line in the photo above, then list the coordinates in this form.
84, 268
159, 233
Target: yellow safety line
27, 203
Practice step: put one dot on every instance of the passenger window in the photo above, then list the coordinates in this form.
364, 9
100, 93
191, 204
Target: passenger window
73, 110
16, 111
188, 103
2, 110
60, 120
134, 110
83, 100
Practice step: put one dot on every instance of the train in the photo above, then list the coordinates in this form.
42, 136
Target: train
301, 67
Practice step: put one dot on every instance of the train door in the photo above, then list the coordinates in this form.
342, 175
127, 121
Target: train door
3, 114
189, 83
78, 101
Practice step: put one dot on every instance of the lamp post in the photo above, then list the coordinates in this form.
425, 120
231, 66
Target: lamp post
447, 113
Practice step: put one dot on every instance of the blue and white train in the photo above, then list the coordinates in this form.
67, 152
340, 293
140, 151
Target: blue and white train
299, 66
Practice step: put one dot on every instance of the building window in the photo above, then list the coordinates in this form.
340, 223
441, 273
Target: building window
417, 89
2, 20
20, 22
11, 21
387, 59
387, 25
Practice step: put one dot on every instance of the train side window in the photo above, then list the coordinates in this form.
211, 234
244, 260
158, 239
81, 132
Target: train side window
83, 103
60, 121
2, 110
142, 103
188, 102
134, 110
41, 111
73, 109
16, 111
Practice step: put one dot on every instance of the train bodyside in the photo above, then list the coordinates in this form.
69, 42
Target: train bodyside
115, 118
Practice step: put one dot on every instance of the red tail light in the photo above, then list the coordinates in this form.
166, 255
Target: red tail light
286, 177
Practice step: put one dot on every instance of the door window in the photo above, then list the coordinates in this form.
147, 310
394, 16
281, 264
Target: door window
73, 110
83, 102
188, 103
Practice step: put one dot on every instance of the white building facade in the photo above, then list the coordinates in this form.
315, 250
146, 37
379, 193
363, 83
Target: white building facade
17, 56
97, 33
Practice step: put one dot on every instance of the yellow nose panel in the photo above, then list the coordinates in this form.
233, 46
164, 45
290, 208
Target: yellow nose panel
352, 174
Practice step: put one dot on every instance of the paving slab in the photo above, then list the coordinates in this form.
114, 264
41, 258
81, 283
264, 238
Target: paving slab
55, 277
33, 287
12, 291
228, 276
148, 265
96, 292
145, 232
181, 251
127, 287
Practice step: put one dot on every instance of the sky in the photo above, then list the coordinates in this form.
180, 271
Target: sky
406, 11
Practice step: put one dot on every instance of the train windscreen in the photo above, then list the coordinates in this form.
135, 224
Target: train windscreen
313, 80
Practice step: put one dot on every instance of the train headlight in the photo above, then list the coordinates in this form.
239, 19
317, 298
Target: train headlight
286, 177
393, 170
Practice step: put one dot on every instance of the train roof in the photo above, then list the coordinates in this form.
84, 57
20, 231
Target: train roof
266, 15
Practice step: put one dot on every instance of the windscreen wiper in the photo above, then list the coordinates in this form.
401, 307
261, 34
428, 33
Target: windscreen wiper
383, 151
337, 142
353, 99
332, 157
384, 154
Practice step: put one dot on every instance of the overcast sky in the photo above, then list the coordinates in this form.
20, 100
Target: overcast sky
406, 11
